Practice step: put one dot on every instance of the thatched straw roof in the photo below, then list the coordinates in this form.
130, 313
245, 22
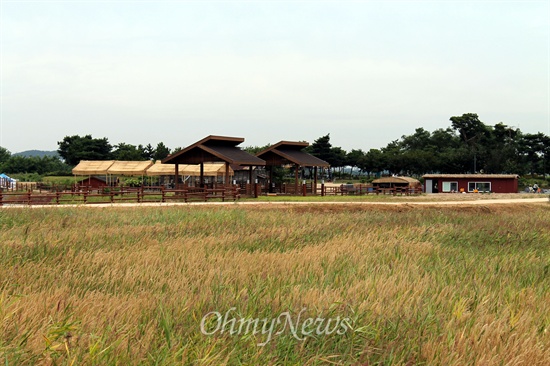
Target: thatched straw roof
397, 180
93, 167
129, 167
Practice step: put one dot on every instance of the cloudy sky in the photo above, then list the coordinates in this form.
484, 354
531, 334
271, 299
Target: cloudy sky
367, 72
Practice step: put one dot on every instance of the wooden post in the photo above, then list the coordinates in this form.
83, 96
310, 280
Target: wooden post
296, 166
176, 179
323, 189
315, 180
227, 182
304, 189
270, 188
202, 175
250, 178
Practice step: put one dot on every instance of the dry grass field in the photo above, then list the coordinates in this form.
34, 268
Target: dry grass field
416, 285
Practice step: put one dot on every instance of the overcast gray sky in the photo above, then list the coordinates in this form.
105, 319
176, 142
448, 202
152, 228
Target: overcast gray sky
367, 72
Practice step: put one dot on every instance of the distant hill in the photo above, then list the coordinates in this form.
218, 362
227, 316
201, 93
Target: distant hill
39, 153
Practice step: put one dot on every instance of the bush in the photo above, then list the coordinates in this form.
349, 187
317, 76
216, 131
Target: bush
27, 177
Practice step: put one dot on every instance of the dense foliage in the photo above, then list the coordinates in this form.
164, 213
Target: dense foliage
467, 146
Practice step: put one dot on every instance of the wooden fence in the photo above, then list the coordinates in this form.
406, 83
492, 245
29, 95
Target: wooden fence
324, 190
137, 195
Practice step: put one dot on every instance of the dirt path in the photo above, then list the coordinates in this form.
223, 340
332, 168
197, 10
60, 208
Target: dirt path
351, 203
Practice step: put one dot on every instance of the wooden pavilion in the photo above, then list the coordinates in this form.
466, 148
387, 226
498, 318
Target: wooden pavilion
291, 152
213, 149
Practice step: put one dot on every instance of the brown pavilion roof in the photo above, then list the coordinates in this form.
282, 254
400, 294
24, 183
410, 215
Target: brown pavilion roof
285, 152
214, 149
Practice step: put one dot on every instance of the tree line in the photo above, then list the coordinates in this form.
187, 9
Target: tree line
467, 146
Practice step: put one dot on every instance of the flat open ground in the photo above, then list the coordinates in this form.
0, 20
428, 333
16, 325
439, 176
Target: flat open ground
452, 284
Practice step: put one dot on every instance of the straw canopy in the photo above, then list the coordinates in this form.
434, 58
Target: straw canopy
106, 167
129, 167
93, 167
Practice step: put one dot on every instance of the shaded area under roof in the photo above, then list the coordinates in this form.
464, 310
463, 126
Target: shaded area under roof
214, 149
129, 167
210, 169
285, 152
93, 167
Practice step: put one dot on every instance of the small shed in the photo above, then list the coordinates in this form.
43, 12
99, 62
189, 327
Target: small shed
451, 183
396, 182
7, 182
94, 182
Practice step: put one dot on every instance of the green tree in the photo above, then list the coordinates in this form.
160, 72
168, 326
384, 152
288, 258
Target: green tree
129, 152
161, 151
75, 148
534, 152
43, 165
475, 134
321, 148
4, 154
353, 158
372, 162
148, 151
255, 149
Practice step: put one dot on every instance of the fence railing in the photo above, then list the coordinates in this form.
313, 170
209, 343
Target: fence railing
137, 195
308, 189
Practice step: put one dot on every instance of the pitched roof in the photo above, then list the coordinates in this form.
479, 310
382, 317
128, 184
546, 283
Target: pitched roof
210, 169
92, 167
401, 180
214, 149
129, 167
285, 152
472, 176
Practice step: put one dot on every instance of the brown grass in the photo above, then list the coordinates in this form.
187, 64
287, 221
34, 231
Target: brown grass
423, 285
